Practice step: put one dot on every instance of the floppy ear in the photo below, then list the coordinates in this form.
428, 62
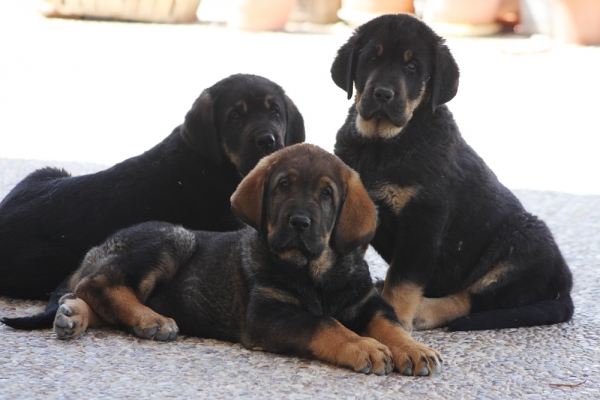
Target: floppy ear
357, 219
294, 132
199, 130
343, 69
444, 82
249, 199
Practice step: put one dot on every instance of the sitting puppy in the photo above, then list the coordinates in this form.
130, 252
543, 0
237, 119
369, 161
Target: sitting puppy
50, 220
463, 252
295, 284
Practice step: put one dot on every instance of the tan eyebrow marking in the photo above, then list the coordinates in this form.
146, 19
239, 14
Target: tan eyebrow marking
242, 105
268, 99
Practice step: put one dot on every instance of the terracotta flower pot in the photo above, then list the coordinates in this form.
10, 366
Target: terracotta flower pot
356, 12
576, 21
260, 15
379, 6
475, 12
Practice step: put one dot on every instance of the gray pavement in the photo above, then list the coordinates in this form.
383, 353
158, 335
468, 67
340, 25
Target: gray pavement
88, 94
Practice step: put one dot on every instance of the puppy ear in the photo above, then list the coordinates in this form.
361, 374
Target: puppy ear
357, 219
294, 132
343, 69
199, 130
445, 76
248, 201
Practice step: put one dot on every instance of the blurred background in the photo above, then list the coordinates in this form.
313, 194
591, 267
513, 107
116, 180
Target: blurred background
98, 81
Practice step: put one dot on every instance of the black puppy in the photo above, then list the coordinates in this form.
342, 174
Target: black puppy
50, 219
295, 283
463, 252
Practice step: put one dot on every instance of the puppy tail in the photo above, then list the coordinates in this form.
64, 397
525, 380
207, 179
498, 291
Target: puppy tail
42, 320
546, 312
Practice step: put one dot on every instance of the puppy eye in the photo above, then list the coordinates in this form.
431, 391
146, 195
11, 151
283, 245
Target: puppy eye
374, 58
327, 193
275, 111
284, 183
234, 115
411, 67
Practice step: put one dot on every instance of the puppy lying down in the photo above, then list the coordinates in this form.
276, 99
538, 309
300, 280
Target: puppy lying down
294, 282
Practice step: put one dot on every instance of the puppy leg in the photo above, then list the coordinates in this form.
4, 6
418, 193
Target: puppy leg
435, 313
410, 356
277, 323
338, 345
73, 317
405, 298
119, 305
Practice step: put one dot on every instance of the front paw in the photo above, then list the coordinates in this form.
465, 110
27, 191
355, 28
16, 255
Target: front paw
71, 318
414, 358
368, 356
156, 327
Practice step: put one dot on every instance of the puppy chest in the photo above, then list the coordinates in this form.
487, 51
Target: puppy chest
392, 197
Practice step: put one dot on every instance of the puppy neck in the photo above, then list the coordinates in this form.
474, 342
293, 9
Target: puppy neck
317, 270
377, 128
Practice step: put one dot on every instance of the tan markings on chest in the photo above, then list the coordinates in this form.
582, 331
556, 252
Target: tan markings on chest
394, 196
322, 264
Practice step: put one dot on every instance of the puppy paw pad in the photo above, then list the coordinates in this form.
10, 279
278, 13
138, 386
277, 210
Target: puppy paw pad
161, 330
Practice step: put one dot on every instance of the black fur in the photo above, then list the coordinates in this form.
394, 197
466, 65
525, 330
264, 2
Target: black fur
50, 220
458, 221
278, 291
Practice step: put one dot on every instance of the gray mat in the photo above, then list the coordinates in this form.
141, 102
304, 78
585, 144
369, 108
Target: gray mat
543, 362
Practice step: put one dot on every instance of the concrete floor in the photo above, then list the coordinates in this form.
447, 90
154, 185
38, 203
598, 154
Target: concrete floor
87, 94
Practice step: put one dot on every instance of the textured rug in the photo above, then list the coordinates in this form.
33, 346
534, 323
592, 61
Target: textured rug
560, 361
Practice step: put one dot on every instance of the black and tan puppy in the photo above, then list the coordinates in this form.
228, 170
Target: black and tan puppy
463, 252
50, 220
295, 283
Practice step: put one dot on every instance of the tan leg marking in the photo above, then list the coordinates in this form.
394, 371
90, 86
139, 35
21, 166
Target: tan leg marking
338, 345
495, 275
405, 299
434, 313
74, 280
164, 270
410, 356
73, 317
120, 306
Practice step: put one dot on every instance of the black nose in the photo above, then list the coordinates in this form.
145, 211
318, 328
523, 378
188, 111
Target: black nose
383, 95
299, 222
265, 141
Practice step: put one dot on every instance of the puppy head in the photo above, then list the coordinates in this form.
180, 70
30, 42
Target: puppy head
398, 65
243, 117
303, 200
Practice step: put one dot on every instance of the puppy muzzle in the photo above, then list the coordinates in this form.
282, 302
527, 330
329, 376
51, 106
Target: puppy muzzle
298, 232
